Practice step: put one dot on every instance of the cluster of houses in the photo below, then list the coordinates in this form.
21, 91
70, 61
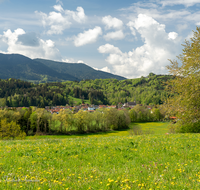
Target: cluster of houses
89, 108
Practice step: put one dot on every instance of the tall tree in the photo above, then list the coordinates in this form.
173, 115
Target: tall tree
186, 85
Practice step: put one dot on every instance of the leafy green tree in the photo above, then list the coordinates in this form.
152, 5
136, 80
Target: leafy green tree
156, 114
81, 121
133, 115
10, 130
186, 85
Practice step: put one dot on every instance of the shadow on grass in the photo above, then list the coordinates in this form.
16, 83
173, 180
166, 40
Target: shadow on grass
139, 128
85, 134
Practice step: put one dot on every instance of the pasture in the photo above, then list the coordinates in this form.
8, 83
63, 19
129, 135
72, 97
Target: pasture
114, 160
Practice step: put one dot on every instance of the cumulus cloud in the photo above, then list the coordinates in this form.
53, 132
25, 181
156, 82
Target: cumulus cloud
117, 35
78, 16
108, 48
87, 37
29, 44
59, 20
111, 22
159, 46
172, 35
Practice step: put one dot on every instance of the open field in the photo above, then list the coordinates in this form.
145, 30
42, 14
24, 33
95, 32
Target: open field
154, 161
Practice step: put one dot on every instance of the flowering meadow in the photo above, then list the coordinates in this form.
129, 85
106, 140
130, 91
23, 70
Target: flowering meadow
154, 161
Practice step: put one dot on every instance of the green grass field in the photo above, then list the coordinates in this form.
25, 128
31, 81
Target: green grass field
114, 160
78, 100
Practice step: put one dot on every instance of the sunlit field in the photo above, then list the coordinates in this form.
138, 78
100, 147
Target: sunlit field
115, 160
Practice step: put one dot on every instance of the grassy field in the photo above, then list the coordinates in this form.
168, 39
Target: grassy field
115, 160
78, 100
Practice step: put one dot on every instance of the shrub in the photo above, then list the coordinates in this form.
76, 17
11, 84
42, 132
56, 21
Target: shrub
10, 130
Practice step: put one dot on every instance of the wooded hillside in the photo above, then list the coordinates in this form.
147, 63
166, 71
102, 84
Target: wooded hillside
145, 90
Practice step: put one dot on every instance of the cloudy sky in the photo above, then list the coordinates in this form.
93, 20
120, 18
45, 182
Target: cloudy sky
130, 38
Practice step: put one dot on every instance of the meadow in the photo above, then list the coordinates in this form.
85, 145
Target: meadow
113, 160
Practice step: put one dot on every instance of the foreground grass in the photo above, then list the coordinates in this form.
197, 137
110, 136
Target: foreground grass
114, 162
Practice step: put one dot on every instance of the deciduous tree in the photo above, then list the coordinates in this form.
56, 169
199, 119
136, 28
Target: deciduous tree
186, 85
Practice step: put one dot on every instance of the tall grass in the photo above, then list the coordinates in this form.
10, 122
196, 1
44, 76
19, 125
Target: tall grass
114, 162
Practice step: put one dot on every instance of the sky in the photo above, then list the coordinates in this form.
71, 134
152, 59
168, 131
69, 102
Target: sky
130, 38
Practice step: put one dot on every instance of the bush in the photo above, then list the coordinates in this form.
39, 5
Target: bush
10, 130
188, 127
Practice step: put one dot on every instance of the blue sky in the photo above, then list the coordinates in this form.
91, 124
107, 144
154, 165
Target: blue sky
127, 38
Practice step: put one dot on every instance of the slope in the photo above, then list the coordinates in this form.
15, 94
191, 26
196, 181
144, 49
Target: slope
21, 67
79, 70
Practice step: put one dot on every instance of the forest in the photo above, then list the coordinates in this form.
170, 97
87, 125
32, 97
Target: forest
148, 90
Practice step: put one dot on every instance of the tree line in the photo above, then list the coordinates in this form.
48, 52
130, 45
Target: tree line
30, 121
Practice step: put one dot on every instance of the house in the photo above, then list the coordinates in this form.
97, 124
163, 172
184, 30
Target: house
91, 108
111, 106
130, 104
102, 106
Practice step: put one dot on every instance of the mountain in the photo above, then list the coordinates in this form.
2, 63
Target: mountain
79, 70
41, 70
21, 67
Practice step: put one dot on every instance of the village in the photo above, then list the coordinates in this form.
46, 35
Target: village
90, 108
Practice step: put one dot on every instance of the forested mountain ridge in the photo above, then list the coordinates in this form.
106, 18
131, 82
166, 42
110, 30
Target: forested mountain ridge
78, 70
40, 71
148, 90
21, 67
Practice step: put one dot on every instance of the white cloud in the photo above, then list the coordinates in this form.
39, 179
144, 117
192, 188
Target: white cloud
111, 22
105, 69
87, 37
172, 35
29, 44
131, 26
71, 60
172, 16
117, 35
108, 48
153, 56
58, 8
58, 21
78, 16
187, 3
